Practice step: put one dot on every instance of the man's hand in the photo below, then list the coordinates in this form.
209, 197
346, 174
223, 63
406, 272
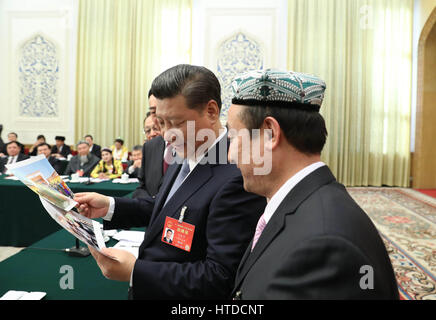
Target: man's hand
120, 269
92, 205
137, 163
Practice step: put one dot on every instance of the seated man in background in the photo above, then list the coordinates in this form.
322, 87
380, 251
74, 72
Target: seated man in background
108, 167
151, 129
12, 136
60, 150
134, 165
14, 155
119, 151
94, 148
83, 162
39, 139
44, 149
153, 166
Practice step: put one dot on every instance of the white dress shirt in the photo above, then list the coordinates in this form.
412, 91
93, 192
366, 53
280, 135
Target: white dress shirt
284, 190
12, 159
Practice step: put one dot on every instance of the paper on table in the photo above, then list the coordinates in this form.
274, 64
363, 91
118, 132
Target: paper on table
132, 236
131, 247
23, 295
131, 180
13, 178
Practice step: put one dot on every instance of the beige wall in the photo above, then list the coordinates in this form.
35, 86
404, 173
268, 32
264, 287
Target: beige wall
424, 171
425, 9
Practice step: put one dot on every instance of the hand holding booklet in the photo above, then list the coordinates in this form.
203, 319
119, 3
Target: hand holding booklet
57, 199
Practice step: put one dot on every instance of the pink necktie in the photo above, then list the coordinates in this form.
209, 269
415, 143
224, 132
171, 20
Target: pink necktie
259, 228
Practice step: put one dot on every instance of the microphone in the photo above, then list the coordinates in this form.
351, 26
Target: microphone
78, 251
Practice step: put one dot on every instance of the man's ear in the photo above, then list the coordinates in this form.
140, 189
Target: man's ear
272, 133
212, 111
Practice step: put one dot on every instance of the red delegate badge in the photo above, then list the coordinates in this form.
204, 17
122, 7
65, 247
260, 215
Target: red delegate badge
178, 234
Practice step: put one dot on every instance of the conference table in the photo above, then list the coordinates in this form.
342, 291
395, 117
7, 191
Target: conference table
41, 267
23, 220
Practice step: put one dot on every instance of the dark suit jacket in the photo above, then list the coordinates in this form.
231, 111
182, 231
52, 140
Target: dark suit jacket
56, 164
224, 216
66, 150
5, 145
4, 161
136, 172
96, 150
2, 146
151, 173
314, 247
74, 165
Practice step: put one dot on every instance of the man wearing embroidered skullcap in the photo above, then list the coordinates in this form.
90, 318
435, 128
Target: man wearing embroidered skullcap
313, 241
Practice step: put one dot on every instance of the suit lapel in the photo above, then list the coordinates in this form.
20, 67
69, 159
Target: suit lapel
196, 179
289, 205
171, 175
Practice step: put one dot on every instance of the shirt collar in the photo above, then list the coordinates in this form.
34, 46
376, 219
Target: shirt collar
193, 163
284, 190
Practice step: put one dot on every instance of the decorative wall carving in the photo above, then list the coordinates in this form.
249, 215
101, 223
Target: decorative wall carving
237, 54
38, 79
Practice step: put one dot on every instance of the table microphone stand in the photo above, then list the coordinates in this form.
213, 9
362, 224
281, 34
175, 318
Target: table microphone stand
78, 251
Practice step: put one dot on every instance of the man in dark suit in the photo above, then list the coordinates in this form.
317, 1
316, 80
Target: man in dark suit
204, 193
153, 167
44, 148
84, 162
60, 149
95, 149
313, 240
14, 155
134, 165
12, 137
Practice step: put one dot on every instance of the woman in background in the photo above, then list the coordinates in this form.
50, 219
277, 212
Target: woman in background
119, 151
108, 167
33, 150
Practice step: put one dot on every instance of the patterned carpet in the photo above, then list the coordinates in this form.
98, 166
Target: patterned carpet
406, 220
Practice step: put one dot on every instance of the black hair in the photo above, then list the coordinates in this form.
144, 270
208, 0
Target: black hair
150, 93
41, 136
137, 147
120, 141
13, 142
16, 135
197, 84
88, 136
303, 129
43, 144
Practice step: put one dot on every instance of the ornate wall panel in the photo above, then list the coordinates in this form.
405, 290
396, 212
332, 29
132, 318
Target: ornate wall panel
39, 74
237, 54
231, 37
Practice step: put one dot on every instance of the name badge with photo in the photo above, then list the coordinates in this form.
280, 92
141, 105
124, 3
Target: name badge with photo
178, 234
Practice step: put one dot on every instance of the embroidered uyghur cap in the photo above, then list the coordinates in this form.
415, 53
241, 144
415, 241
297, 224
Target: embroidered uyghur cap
278, 88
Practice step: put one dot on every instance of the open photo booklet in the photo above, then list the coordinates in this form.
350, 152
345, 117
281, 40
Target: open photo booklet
57, 199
